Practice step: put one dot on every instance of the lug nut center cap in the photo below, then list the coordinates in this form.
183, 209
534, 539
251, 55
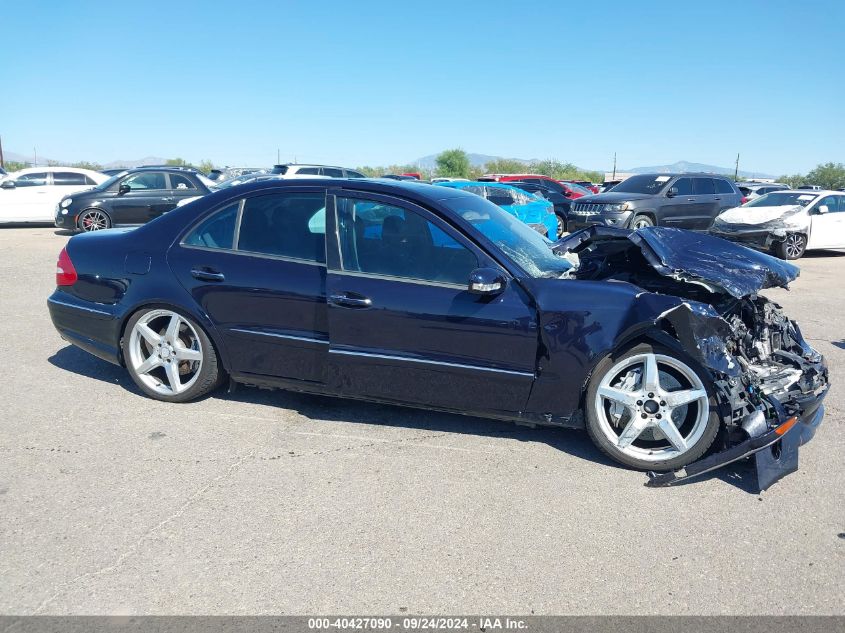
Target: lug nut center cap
651, 407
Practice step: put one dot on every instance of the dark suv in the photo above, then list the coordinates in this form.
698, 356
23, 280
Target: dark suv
687, 201
135, 196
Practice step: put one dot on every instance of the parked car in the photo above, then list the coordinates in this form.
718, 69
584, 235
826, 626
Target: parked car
113, 171
560, 203
585, 184
688, 201
398, 177
131, 197
789, 223
810, 187
752, 190
607, 185
438, 179
30, 195
231, 182
297, 170
536, 212
435, 298
562, 187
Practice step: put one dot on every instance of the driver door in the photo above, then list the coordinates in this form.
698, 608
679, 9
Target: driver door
828, 229
403, 326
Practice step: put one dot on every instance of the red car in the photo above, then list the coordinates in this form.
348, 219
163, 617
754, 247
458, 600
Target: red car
586, 184
568, 189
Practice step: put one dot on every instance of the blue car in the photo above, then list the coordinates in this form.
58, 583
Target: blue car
535, 211
432, 297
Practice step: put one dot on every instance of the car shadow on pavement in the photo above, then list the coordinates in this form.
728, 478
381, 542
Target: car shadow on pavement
64, 232
331, 409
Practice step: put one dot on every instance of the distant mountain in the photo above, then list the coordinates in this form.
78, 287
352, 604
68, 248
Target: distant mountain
476, 160
43, 160
684, 166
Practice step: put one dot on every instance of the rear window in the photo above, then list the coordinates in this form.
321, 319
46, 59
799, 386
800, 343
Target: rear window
704, 186
68, 178
723, 186
218, 231
308, 171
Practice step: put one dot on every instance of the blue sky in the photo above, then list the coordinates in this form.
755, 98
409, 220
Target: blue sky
363, 82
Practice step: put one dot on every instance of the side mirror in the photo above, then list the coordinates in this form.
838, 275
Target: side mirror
7, 184
487, 282
123, 189
673, 191
823, 208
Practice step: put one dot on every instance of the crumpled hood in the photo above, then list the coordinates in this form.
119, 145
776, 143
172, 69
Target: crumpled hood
693, 257
757, 215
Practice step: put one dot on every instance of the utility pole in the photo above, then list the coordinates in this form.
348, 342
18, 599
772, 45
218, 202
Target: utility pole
278, 159
34, 158
614, 166
736, 168
2, 162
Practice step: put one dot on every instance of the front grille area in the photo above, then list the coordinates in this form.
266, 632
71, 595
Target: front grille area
588, 208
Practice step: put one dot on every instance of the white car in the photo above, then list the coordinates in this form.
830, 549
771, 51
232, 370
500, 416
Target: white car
787, 222
31, 195
299, 170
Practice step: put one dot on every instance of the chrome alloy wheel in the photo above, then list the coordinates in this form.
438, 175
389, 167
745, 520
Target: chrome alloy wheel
165, 352
93, 221
652, 407
794, 245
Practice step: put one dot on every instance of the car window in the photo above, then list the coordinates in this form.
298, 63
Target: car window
35, 179
308, 171
704, 186
145, 180
179, 181
68, 178
332, 172
477, 190
683, 186
840, 204
354, 174
218, 231
382, 239
832, 203
723, 186
283, 224
90, 181
499, 196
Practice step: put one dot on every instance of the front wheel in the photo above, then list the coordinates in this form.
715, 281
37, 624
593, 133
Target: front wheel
641, 222
169, 356
650, 409
93, 220
792, 246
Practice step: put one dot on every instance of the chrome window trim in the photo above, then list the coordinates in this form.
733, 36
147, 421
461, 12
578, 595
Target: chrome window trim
291, 337
425, 361
79, 307
406, 280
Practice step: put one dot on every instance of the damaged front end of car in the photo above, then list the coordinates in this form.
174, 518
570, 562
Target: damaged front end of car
769, 382
762, 230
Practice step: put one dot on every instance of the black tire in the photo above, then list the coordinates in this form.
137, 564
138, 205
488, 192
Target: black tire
561, 226
210, 375
93, 220
706, 436
641, 221
792, 247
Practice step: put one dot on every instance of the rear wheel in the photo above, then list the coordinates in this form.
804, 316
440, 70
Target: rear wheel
169, 356
93, 220
641, 221
792, 246
561, 226
649, 408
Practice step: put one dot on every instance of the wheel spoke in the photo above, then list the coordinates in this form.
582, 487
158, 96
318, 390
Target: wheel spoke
152, 337
186, 353
679, 398
172, 371
148, 365
172, 332
671, 433
635, 427
618, 395
651, 375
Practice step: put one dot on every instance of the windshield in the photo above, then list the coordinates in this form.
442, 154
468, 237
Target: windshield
642, 184
574, 186
108, 183
781, 199
525, 246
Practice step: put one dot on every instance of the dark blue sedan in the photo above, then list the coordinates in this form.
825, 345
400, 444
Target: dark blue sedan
431, 297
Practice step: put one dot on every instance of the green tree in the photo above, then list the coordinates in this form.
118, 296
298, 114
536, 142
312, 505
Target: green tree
84, 164
828, 175
453, 163
795, 180
206, 166
177, 162
14, 165
505, 166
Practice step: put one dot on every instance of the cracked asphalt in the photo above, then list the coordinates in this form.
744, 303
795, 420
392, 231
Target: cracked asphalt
269, 502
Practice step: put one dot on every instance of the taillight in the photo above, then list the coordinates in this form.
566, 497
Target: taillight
65, 272
744, 200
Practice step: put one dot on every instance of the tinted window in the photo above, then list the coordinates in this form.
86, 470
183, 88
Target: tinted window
286, 224
683, 185
89, 181
553, 185
218, 231
386, 240
68, 178
145, 180
31, 180
832, 203
178, 181
500, 196
723, 186
309, 171
704, 186
354, 174
643, 184
476, 189
332, 172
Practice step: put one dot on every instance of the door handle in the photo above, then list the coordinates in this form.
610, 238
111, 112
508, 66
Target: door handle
690, 199
207, 275
350, 300
717, 198
168, 199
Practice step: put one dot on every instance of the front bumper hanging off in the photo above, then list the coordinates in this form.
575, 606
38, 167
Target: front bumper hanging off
775, 451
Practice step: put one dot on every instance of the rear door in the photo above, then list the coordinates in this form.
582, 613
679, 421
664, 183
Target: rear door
257, 268
403, 326
679, 210
180, 187
706, 206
